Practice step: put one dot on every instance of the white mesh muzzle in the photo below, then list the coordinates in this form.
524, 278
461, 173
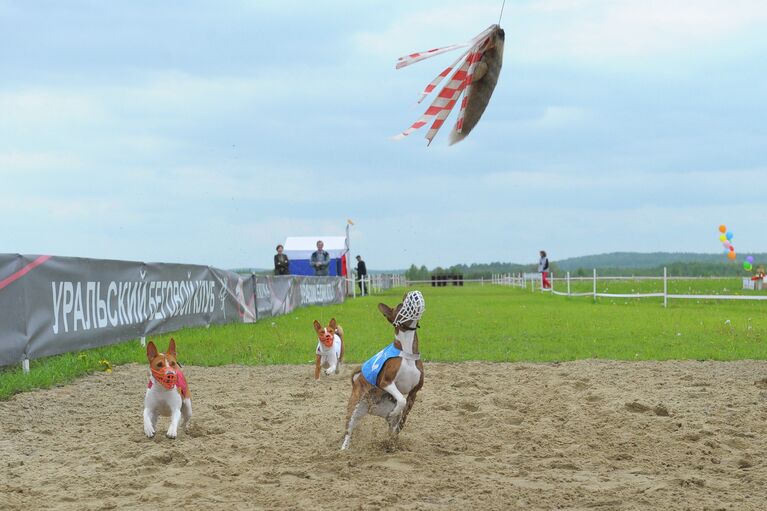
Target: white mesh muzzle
412, 308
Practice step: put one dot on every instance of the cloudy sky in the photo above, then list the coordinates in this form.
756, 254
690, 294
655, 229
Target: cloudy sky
207, 132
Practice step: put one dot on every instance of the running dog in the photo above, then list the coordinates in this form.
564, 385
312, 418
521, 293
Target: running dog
330, 348
167, 393
387, 384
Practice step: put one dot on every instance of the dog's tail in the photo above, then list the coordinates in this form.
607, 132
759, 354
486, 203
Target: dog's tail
356, 373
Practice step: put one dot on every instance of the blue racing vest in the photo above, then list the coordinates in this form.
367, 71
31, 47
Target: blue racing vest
372, 367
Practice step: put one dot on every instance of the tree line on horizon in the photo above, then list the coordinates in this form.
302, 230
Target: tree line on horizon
619, 264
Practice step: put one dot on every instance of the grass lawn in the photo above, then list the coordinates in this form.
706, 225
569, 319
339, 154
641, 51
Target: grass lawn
474, 322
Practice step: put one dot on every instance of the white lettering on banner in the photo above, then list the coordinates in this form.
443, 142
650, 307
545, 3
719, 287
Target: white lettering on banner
90, 301
101, 306
127, 303
69, 304
316, 293
79, 311
112, 290
56, 306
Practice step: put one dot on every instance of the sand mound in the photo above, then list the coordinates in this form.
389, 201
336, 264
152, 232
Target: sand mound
589, 434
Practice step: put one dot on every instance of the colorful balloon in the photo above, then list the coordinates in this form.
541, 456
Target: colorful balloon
722, 238
731, 256
729, 235
732, 248
747, 266
750, 259
723, 228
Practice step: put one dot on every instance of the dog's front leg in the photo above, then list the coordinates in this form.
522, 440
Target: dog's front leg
175, 418
397, 395
410, 401
150, 419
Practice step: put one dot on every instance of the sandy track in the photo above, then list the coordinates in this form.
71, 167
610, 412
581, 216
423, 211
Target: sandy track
580, 435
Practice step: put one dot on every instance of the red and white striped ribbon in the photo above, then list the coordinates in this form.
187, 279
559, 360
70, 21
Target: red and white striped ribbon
433, 84
459, 83
421, 55
451, 94
443, 103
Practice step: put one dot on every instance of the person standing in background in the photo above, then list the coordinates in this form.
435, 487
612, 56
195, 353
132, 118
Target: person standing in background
281, 263
543, 269
320, 260
362, 272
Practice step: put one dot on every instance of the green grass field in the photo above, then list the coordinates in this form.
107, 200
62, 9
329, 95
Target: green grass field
491, 323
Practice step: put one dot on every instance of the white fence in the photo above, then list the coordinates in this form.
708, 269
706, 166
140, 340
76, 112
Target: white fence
534, 281
373, 284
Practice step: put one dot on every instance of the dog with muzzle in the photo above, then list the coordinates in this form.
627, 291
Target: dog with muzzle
330, 348
167, 393
386, 385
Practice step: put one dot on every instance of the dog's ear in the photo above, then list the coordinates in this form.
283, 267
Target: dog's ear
172, 347
151, 351
333, 325
386, 311
317, 325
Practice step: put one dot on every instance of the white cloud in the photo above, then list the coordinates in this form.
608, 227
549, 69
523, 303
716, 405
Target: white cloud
426, 27
22, 162
584, 30
598, 29
37, 106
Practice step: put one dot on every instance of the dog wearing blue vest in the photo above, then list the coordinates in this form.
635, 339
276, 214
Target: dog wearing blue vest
386, 385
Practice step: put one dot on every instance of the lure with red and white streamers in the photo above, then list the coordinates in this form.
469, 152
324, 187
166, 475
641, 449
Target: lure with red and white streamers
474, 74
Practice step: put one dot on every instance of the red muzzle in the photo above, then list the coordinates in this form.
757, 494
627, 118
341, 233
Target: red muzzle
327, 340
166, 377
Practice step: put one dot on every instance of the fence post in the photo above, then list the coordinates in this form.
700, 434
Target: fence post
568, 283
595, 285
25, 365
143, 342
665, 287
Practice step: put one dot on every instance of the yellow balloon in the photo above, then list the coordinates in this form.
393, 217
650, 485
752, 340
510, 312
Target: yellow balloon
722, 238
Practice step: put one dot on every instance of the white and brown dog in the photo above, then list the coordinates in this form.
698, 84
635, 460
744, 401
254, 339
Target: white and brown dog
167, 393
387, 384
330, 348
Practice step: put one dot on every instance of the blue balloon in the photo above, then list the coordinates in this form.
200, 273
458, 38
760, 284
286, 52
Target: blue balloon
729, 235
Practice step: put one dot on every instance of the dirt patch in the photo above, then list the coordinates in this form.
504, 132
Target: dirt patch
587, 434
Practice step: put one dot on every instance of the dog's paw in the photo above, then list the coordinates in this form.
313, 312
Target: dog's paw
171, 433
149, 430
